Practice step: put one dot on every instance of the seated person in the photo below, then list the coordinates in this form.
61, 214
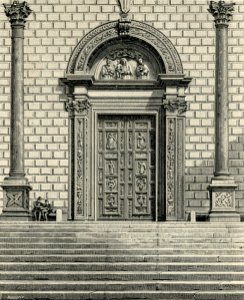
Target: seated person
37, 209
46, 210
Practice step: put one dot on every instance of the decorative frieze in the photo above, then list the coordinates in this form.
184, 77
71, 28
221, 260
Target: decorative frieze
221, 12
17, 12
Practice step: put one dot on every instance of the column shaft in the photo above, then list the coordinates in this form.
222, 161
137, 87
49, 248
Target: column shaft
221, 103
17, 103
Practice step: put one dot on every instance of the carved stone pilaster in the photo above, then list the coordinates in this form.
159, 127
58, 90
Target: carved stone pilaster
221, 12
80, 161
175, 108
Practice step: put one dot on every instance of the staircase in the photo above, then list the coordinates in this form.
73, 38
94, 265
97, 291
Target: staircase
122, 260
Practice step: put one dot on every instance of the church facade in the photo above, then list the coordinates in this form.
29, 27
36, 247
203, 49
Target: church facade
121, 118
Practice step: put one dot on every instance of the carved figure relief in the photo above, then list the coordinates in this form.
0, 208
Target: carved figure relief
141, 201
123, 69
141, 168
111, 183
141, 141
142, 70
141, 183
111, 141
124, 64
111, 203
108, 70
110, 168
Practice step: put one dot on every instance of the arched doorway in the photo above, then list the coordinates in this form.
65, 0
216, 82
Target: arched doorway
126, 104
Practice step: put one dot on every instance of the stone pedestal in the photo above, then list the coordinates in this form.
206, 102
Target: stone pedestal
16, 187
222, 187
222, 201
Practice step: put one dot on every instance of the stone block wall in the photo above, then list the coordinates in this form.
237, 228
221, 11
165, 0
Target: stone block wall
53, 30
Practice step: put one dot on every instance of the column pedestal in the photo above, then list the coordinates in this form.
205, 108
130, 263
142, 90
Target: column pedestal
222, 201
16, 199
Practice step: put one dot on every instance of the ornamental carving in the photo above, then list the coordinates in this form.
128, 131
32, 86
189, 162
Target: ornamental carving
223, 199
119, 65
100, 35
80, 167
77, 105
14, 199
17, 12
170, 168
221, 12
175, 105
124, 7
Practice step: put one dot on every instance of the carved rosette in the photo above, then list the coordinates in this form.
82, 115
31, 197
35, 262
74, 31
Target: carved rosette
17, 12
179, 106
14, 199
221, 11
77, 105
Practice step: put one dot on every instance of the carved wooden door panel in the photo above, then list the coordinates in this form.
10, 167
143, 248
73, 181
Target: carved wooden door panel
126, 167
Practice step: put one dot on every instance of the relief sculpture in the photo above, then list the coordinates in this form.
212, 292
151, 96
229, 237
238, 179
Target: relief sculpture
142, 70
124, 64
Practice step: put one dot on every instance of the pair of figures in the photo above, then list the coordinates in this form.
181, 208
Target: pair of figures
41, 210
123, 70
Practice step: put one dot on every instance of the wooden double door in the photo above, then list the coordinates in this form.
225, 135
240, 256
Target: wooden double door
126, 168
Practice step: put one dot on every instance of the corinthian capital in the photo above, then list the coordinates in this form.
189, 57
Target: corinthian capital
77, 105
17, 12
221, 11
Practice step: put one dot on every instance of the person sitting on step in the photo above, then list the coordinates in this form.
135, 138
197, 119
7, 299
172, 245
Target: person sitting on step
37, 209
46, 210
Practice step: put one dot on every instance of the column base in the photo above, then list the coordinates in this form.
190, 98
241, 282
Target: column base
16, 199
222, 200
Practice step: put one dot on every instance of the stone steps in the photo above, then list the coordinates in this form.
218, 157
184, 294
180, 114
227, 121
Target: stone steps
118, 252
123, 266
120, 275
125, 295
169, 285
122, 260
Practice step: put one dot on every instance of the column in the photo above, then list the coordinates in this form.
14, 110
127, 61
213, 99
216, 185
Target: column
222, 187
16, 187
